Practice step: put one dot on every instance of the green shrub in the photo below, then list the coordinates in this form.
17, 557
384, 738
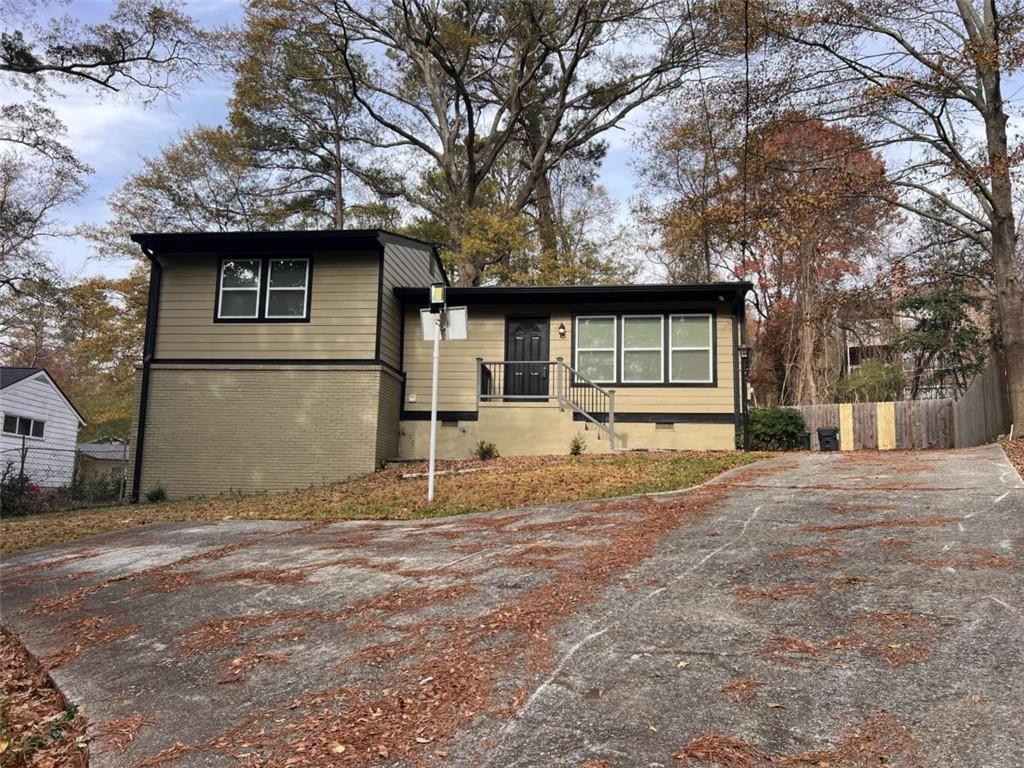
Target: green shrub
875, 381
156, 495
15, 492
486, 450
776, 429
578, 445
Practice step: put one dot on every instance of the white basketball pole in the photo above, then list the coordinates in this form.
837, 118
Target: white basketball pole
438, 321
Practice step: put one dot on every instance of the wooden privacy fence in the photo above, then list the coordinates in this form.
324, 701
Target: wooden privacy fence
980, 416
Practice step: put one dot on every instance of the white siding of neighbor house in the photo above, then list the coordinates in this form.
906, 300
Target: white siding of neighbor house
50, 461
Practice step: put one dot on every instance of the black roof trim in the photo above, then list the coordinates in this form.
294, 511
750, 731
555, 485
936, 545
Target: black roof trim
265, 241
581, 293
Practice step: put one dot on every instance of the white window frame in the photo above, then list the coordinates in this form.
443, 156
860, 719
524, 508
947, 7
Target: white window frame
660, 349
32, 423
613, 348
710, 349
223, 289
271, 288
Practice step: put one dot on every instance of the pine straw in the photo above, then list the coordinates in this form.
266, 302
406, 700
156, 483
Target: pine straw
741, 691
120, 733
897, 638
509, 482
1015, 453
86, 634
921, 522
236, 669
877, 743
41, 728
778, 593
441, 674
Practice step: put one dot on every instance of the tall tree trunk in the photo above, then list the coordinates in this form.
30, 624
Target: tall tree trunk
547, 230
807, 388
1009, 285
339, 190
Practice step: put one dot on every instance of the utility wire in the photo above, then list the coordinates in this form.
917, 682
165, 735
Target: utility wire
746, 121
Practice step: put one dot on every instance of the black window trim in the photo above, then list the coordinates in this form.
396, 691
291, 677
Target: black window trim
18, 419
261, 296
666, 314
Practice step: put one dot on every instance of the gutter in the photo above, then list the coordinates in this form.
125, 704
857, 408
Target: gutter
148, 350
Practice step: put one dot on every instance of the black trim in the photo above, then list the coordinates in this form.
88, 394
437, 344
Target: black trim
261, 298
148, 349
598, 294
665, 352
380, 299
441, 416
674, 418
736, 369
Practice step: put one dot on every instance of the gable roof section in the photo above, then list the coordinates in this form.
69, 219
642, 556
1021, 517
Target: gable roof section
10, 376
155, 243
597, 294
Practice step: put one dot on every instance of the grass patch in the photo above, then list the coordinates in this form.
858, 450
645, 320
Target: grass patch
387, 495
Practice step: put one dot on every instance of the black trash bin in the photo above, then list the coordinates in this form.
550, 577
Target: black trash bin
805, 441
828, 438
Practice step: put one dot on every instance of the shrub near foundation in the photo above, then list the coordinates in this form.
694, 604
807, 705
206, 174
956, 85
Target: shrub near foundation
776, 429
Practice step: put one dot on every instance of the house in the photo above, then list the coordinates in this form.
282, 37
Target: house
104, 458
40, 427
276, 360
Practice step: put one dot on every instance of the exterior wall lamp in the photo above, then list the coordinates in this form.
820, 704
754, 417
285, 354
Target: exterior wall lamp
561, 330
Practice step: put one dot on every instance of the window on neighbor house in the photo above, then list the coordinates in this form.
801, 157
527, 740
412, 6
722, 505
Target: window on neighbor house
642, 349
287, 287
690, 355
595, 348
23, 426
240, 289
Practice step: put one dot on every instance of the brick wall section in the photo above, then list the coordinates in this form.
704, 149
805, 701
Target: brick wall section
214, 429
389, 406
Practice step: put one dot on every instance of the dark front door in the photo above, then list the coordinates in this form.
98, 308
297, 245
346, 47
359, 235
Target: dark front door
527, 340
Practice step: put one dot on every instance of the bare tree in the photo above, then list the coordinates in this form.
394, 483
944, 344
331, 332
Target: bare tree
454, 83
923, 74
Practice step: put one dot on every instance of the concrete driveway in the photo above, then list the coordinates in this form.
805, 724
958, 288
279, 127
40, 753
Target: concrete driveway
842, 610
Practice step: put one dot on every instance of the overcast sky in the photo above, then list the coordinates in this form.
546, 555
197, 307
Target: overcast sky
112, 133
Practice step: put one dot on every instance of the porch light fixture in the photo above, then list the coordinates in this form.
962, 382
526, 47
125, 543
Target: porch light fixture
744, 352
561, 330
437, 291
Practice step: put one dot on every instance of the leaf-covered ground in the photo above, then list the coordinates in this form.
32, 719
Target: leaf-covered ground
465, 486
38, 727
1015, 452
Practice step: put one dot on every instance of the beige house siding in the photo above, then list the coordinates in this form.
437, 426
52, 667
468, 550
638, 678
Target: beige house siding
342, 325
216, 429
404, 265
535, 429
457, 382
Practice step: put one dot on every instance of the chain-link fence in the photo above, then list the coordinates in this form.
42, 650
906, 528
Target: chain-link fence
39, 479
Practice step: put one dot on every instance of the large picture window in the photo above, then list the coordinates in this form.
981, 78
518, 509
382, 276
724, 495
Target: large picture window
286, 288
642, 349
690, 344
595, 348
240, 289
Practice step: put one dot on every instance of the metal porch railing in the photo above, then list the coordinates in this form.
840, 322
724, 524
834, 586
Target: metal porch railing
546, 380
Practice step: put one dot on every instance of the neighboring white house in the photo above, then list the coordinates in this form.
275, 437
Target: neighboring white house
38, 418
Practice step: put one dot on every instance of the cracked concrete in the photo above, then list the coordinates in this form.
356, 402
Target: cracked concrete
901, 572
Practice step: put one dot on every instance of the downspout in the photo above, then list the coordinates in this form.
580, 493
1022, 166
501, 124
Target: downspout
148, 348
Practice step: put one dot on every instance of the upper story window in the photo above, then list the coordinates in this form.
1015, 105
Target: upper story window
263, 289
690, 342
240, 288
642, 345
23, 426
595, 348
286, 290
